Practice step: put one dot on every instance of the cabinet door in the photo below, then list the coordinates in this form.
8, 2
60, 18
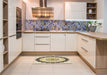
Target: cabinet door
12, 17
1, 55
1, 10
28, 42
75, 10
12, 48
71, 42
58, 42
19, 45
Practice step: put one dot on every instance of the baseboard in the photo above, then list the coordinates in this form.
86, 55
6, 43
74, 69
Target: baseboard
91, 67
10, 64
49, 53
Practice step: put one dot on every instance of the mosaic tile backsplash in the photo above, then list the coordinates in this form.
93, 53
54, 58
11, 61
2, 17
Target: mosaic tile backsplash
48, 25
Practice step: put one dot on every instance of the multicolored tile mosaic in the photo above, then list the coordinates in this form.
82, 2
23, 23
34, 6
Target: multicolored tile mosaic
48, 25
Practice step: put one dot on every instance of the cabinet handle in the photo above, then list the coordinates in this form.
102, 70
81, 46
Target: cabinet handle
85, 40
42, 36
42, 44
12, 35
84, 49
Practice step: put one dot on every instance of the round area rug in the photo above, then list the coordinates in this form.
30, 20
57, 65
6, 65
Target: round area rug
52, 59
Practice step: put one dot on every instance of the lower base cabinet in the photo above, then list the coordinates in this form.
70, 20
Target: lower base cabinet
12, 48
87, 49
71, 42
58, 41
42, 42
19, 45
49, 42
28, 42
1, 55
1, 61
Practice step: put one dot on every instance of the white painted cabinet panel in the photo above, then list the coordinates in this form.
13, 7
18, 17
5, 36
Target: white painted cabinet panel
12, 17
12, 48
19, 45
87, 48
28, 42
42, 42
58, 41
71, 42
40, 47
1, 55
75, 10
1, 25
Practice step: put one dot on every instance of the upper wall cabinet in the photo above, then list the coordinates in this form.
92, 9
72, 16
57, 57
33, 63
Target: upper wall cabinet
75, 10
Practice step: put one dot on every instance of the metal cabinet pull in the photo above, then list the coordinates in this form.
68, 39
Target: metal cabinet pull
42, 36
41, 44
85, 40
84, 49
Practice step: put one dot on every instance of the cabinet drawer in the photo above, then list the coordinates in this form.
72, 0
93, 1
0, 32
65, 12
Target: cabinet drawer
42, 47
42, 40
42, 34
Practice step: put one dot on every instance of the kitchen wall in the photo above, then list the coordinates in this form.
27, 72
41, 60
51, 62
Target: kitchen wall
100, 13
57, 4
48, 25
105, 16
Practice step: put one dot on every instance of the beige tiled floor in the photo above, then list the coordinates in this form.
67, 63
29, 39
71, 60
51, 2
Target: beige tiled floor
25, 66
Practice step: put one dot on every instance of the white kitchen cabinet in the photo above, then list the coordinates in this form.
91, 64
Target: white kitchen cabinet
12, 48
58, 41
71, 42
1, 55
19, 45
28, 42
1, 16
75, 10
42, 42
12, 17
87, 48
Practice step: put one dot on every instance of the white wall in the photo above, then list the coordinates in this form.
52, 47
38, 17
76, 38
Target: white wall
100, 13
58, 8
57, 4
29, 5
105, 16
19, 3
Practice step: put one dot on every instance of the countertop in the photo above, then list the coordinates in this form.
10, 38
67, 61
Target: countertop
96, 35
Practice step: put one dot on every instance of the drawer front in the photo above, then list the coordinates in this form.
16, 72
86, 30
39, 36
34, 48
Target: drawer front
42, 47
42, 34
42, 40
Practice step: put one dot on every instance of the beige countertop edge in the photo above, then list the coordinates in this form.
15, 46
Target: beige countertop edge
96, 35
